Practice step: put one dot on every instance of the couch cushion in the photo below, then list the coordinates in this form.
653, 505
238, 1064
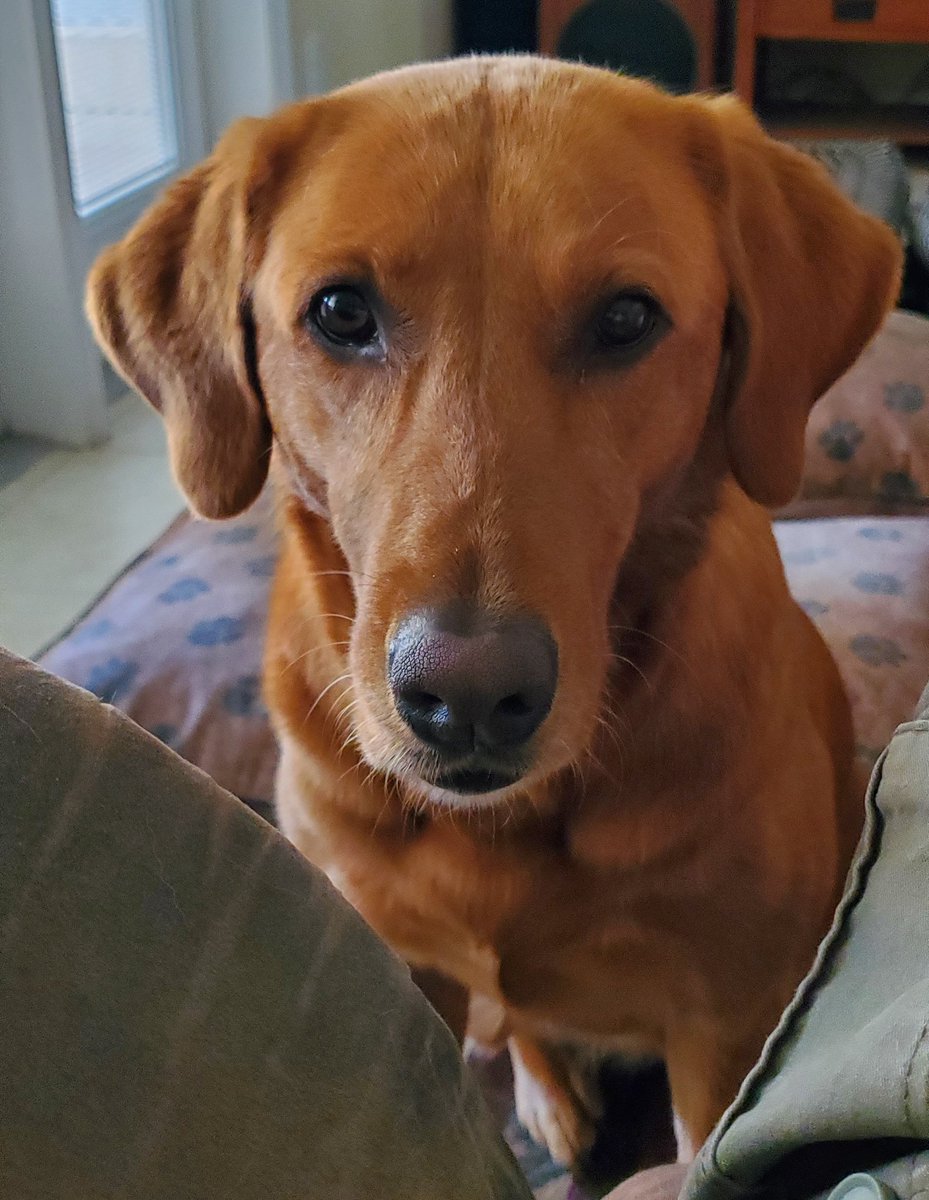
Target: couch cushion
189, 1008
177, 643
865, 582
868, 438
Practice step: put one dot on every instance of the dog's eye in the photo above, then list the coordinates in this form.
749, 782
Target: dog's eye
627, 321
343, 316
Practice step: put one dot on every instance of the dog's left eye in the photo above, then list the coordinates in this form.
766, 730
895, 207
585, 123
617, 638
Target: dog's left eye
627, 321
344, 317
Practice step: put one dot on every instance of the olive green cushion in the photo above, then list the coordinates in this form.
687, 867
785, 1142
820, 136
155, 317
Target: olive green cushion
190, 1010
843, 1083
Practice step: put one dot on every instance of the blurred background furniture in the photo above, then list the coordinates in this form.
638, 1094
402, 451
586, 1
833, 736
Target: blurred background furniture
699, 16
874, 23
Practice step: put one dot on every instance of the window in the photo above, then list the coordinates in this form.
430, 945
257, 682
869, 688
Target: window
117, 96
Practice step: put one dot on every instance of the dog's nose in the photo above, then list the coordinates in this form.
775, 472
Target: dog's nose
465, 680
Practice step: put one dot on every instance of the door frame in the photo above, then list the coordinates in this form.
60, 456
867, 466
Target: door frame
54, 382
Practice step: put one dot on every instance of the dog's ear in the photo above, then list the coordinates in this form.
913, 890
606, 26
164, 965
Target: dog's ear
170, 305
811, 280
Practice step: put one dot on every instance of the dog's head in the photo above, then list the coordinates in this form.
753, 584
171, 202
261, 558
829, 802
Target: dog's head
491, 315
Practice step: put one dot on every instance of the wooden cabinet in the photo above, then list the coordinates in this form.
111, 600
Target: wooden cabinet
838, 20
700, 15
864, 21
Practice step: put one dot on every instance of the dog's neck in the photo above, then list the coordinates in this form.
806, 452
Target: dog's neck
670, 540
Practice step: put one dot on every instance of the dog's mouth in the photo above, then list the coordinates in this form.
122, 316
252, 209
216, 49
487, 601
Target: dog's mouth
473, 782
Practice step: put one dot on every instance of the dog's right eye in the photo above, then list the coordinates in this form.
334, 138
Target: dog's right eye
343, 316
628, 322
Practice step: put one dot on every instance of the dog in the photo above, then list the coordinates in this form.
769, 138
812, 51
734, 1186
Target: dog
529, 348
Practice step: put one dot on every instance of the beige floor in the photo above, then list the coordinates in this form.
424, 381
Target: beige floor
73, 521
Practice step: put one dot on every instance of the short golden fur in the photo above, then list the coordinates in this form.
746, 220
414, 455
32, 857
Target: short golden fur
660, 877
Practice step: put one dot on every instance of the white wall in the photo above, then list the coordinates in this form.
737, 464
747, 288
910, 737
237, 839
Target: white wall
335, 43
246, 58
50, 375
255, 57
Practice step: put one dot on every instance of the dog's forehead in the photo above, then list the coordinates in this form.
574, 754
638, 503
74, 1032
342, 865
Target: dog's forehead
500, 128
546, 163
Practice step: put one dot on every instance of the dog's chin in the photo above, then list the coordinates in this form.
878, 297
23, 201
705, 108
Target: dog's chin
455, 798
464, 789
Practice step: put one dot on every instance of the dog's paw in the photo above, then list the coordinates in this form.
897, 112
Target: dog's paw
553, 1118
551, 1107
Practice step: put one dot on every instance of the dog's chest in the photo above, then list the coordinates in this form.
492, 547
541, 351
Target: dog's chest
508, 919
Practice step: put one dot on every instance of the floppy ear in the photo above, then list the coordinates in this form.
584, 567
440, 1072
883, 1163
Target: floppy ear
812, 278
170, 305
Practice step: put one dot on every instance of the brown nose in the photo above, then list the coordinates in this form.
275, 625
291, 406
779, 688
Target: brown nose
465, 680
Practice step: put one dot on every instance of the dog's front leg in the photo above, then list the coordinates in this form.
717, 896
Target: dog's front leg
705, 1073
556, 1101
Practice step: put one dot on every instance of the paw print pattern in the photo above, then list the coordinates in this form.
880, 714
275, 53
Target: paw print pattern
841, 440
898, 485
262, 568
93, 631
904, 397
875, 533
220, 631
805, 556
877, 651
878, 583
243, 698
184, 589
236, 535
111, 679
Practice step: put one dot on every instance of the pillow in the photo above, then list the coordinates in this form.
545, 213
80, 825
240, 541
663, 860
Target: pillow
867, 440
865, 583
177, 644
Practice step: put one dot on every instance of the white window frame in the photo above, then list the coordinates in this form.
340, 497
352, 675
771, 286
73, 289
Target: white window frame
108, 220
160, 15
53, 381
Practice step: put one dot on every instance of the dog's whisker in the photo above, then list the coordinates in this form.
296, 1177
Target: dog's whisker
652, 638
356, 766
596, 760
350, 708
622, 658
572, 765
626, 238
612, 732
611, 727
617, 746
348, 744
614, 714
328, 688
605, 216
311, 652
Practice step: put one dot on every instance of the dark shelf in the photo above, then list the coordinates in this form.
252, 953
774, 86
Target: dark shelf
907, 124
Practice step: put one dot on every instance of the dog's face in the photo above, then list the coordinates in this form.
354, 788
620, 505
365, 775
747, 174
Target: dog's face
487, 310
